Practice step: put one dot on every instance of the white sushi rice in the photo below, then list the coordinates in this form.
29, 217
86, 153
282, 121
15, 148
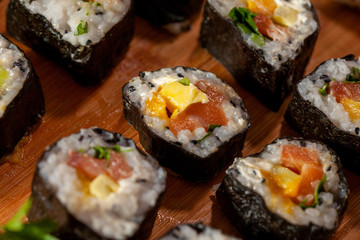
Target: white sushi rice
304, 27
309, 90
119, 215
186, 232
324, 214
66, 15
237, 122
9, 54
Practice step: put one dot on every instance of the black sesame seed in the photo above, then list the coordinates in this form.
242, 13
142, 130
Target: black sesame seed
254, 172
167, 127
81, 138
232, 103
141, 180
66, 31
99, 13
326, 78
263, 180
279, 57
79, 9
357, 131
180, 75
328, 169
178, 143
88, 42
150, 84
141, 74
132, 89
193, 141
142, 116
302, 144
217, 138
19, 64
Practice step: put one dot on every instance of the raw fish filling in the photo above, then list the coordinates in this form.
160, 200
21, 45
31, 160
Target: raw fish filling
100, 175
298, 178
187, 106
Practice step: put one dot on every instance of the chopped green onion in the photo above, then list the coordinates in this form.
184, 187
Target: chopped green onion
243, 19
351, 77
15, 229
316, 200
324, 89
104, 152
81, 29
184, 81
210, 130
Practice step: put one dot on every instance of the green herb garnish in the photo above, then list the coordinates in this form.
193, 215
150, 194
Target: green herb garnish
15, 229
210, 130
104, 152
184, 81
316, 200
354, 76
324, 89
81, 29
243, 19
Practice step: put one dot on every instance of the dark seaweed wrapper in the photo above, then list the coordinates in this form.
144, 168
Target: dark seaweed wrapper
45, 204
162, 12
172, 155
312, 123
23, 111
248, 213
89, 65
225, 42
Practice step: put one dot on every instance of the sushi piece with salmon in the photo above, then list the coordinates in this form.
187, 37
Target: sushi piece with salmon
21, 97
96, 184
264, 44
292, 189
188, 119
173, 15
87, 37
326, 106
195, 231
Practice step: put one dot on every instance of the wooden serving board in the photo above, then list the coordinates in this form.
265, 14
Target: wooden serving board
70, 107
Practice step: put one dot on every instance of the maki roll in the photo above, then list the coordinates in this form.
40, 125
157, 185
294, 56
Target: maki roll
87, 37
292, 189
265, 45
173, 15
195, 231
21, 97
326, 106
96, 184
188, 119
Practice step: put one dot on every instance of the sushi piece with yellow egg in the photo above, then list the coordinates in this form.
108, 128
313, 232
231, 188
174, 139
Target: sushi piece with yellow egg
21, 97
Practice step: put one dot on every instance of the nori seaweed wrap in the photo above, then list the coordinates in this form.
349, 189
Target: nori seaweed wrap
188, 119
325, 107
87, 37
194, 231
21, 97
173, 15
96, 184
267, 54
293, 189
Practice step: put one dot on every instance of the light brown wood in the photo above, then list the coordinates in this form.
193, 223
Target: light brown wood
70, 107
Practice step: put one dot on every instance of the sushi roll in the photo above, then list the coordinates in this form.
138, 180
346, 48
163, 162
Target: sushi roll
188, 119
195, 231
87, 37
173, 15
21, 97
326, 106
96, 184
265, 45
292, 189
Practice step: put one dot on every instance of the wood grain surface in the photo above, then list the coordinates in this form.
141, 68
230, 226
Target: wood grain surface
70, 107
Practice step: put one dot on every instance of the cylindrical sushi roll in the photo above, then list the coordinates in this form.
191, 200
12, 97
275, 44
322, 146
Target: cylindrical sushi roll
96, 184
188, 119
195, 231
326, 106
292, 189
265, 45
21, 97
87, 37
173, 15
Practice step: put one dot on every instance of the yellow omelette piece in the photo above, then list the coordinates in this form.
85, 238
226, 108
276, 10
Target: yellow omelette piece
156, 106
285, 15
264, 7
102, 186
352, 107
4, 75
287, 180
